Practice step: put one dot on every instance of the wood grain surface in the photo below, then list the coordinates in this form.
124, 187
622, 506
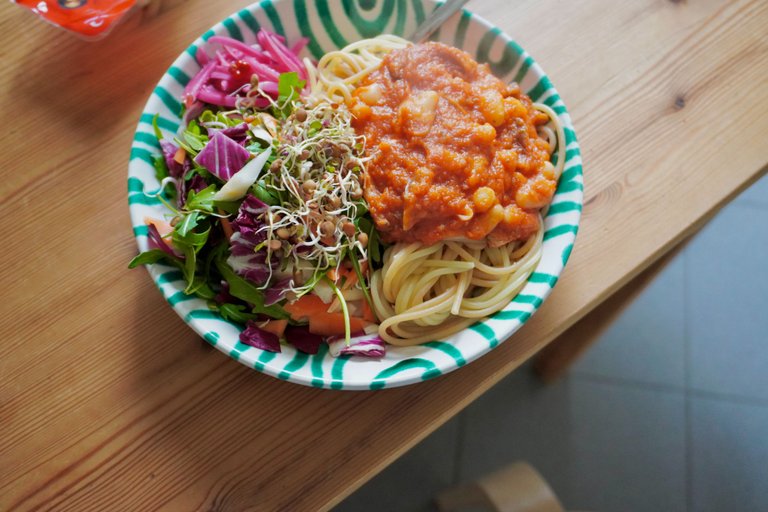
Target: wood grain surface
109, 402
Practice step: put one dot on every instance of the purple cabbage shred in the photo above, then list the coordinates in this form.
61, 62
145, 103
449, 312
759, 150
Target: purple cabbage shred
304, 341
244, 260
222, 156
255, 336
156, 241
361, 344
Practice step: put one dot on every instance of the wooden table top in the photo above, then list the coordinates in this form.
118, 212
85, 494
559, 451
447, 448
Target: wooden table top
108, 401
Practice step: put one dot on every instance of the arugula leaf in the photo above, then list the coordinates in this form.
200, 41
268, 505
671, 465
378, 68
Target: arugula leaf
188, 223
190, 243
193, 128
194, 141
211, 257
186, 147
256, 147
209, 116
191, 238
362, 208
243, 290
155, 128
202, 172
289, 87
154, 256
189, 268
230, 207
200, 288
361, 279
195, 283
374, 246
235, 313
202, 200
161, 169
261, 192
365, 225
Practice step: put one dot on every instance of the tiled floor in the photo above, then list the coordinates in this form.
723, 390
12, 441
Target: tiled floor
667, 412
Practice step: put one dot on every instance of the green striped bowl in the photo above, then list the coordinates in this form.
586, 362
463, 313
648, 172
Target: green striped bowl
331, 24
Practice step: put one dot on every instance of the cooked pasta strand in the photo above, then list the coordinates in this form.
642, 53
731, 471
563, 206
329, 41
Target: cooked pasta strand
428, 292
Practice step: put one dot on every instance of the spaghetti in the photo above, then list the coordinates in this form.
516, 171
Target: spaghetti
427, 291
338, 72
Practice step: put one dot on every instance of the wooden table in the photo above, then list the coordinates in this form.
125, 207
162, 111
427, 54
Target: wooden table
109, 402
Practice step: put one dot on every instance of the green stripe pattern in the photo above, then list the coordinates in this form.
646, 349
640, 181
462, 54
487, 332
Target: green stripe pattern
330, 24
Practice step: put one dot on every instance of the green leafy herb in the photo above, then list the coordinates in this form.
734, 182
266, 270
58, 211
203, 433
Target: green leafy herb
190, 238
186, 147
265, 195
194, 142
199, 171
155, 128
154, 256
202, 200
161, 170
374, 246
243, 290
362, 208
201, 289
230, 207
235, 313
209, 116
256, 147
192, 139
190, 243
187, 224
361, 279
289, 87
365, 225
189, 268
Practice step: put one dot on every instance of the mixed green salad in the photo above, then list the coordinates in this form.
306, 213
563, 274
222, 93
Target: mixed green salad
267, 219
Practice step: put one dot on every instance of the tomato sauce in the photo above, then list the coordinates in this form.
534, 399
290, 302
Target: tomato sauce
454, 151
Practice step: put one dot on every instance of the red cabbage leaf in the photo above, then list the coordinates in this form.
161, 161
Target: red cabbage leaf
255, 336
222, 156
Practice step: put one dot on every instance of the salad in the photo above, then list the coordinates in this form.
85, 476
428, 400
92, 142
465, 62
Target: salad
267, 219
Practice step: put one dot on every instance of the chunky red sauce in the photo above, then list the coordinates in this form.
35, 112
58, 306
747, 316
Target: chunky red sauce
455, 151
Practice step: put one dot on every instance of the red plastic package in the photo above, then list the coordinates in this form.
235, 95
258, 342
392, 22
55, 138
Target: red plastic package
89, 18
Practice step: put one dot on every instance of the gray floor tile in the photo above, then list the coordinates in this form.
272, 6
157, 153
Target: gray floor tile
601, 446
627, 449
729, 456
647, 342
757, 194
728, 301
409, 484
518, 419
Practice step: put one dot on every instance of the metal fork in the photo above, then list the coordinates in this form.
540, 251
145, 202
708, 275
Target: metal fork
435, 19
